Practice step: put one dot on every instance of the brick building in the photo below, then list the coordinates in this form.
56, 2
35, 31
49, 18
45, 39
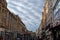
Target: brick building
9, 22
3, 10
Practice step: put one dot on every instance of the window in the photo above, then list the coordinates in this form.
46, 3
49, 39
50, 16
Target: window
57, 15
0, 1
57, 11
0, 9
57, 7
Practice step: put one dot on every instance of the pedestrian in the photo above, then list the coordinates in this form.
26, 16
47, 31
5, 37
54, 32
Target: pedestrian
38, 38
41, 39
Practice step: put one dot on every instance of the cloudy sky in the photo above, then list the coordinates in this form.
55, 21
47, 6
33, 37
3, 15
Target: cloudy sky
30, 11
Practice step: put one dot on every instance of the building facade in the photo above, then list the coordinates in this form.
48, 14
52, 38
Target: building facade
9, 20
56, 21
39, 31
52, 21
3, 6
10, 24
44, 17
49, 19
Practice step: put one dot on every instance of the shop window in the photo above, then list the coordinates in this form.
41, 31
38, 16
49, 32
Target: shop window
58, 34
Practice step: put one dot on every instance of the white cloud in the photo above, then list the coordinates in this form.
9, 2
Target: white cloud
29, 13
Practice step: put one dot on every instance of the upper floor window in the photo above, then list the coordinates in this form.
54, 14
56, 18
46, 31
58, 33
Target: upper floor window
1, 1
3, 11
57, 8
0, 9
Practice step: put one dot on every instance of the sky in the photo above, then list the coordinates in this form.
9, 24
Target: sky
30, 11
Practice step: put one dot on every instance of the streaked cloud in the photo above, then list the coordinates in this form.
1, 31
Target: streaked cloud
30, 11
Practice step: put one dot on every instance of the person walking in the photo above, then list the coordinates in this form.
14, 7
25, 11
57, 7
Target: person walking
39, 38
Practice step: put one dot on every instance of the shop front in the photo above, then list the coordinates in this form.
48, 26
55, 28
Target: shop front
20, 36
2, 33
56, 32
2, 36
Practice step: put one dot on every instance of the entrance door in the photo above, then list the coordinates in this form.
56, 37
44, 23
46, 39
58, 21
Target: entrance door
58, 35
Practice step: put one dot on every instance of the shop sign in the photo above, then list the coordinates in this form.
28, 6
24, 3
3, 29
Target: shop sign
2, 29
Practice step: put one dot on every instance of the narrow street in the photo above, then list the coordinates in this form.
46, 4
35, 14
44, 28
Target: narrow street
29, 19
